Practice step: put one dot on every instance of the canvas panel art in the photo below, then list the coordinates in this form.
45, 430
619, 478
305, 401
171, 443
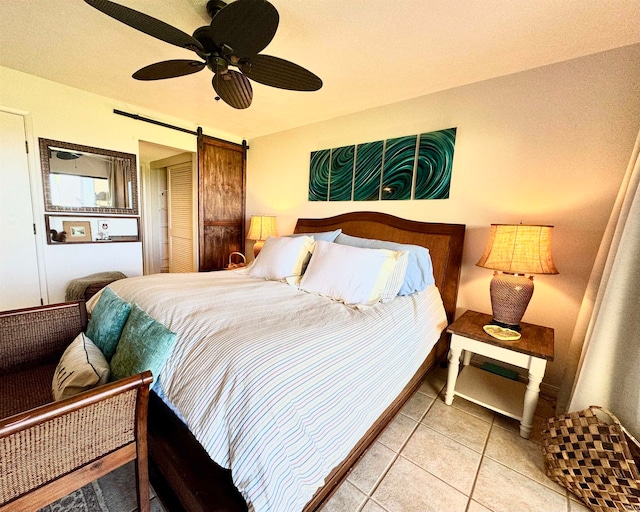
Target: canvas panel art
402, 168
341, 175
368, 171
397, 174
319, 175
434, 164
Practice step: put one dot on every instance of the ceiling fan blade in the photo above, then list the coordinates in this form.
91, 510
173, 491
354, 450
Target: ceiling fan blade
279, 73
168, 69
234, 88
247, 26
147, 24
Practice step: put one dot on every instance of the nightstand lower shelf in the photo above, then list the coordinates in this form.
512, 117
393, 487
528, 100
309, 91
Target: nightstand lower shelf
491, 391
508, 397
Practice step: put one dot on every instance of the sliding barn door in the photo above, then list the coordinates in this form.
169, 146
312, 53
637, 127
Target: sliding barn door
221, 190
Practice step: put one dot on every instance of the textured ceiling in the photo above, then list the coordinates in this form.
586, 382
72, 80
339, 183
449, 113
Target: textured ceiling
368, 52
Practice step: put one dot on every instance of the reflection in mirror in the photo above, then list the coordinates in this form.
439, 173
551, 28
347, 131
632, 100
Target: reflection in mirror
89, 180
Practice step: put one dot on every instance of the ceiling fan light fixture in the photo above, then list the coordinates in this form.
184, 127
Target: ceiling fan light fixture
234, 88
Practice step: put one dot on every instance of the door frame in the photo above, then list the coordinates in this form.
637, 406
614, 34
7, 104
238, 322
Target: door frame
147, 226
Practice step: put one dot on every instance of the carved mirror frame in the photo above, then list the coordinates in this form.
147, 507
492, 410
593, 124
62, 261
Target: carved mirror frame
45, 166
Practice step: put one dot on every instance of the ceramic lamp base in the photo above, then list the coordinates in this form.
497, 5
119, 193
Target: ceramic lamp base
257, 247
510, 296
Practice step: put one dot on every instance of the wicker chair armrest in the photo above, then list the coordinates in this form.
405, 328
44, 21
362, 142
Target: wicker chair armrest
38, 335
46, 443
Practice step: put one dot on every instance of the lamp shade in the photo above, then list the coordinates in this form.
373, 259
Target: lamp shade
519, 249
262, 227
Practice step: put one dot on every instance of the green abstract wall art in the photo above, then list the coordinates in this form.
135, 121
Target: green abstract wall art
341, 175
410, 167
397, 172
319, 175
434, 163
366, 183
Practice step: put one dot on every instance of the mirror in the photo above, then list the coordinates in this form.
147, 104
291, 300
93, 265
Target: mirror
83, 179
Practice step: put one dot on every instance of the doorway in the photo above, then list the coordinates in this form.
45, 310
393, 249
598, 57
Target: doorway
169, 209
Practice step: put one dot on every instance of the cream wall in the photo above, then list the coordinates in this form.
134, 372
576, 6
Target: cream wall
547, 146
55, 111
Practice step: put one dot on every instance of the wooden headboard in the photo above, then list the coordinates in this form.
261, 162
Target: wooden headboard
444, 242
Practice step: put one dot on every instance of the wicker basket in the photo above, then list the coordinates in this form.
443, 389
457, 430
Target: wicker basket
590, 453
240, 264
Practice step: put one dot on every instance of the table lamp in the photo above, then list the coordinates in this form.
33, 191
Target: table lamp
261, 228
514, 250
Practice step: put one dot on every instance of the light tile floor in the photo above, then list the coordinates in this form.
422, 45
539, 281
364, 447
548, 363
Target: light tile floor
431, 457
459, 458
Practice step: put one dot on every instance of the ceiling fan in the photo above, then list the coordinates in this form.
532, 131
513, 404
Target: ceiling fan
237, 34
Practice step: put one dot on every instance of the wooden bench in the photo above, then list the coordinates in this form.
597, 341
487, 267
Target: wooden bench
49, 449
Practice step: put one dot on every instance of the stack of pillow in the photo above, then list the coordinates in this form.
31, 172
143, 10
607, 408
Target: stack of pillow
356, 271
121, 340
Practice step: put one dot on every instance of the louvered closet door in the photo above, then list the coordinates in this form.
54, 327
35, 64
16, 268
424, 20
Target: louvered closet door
180, 198
221, 190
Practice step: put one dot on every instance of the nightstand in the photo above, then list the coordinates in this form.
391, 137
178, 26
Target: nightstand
500, 394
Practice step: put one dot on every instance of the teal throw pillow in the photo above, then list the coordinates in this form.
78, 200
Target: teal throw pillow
107, 321
144, 345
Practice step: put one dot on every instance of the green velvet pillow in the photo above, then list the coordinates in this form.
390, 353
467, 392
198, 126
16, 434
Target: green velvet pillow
144, 345
107, 321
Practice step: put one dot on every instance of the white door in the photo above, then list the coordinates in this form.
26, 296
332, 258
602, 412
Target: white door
180, 192
19, 277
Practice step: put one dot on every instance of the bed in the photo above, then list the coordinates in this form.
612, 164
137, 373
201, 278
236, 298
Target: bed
280, 393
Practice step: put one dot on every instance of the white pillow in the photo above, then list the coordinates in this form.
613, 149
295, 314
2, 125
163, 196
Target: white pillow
349, 274
281, 257
396, 279
82, 367
419, 273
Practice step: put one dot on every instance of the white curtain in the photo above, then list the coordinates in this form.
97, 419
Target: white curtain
604, 356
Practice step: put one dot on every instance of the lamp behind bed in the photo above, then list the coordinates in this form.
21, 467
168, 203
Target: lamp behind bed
261, 228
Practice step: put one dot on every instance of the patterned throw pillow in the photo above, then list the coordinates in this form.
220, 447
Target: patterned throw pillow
82, 367
107, 321
145, 344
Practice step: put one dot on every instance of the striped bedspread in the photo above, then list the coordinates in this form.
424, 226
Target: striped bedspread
276, 384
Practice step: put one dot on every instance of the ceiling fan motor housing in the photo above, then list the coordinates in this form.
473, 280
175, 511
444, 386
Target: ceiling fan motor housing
217, 64
213, 6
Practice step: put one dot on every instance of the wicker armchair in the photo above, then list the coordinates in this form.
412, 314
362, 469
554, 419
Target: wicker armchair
49, 449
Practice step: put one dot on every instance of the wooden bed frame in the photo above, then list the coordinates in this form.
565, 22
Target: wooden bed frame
182, 473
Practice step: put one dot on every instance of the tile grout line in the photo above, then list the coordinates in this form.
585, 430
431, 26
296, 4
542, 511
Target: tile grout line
524, 475
448, 436
397, 454
482, 456
566, 494
490, 422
